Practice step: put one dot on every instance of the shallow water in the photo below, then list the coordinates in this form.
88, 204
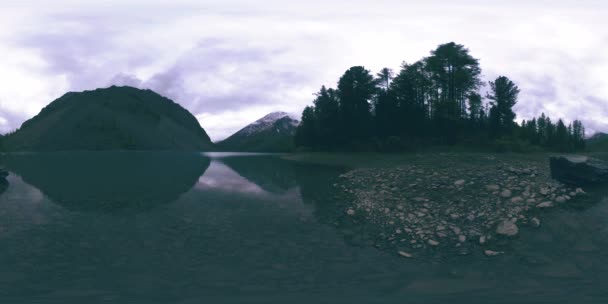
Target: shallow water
141, 227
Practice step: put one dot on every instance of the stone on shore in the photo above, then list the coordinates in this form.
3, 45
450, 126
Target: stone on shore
507, 228
547, 204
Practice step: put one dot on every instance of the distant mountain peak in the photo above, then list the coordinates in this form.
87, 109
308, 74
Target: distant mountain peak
267, 122
273, 132
274, 116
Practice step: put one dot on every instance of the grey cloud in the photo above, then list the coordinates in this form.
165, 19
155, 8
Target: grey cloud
13, 120
249, 74
123, 79
81, 55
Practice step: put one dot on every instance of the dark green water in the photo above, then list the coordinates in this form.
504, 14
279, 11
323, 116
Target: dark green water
230, 228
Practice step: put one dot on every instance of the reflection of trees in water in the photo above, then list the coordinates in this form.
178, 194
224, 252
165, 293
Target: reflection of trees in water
3, 185
316, 186
110, 181
277, 175
270, 173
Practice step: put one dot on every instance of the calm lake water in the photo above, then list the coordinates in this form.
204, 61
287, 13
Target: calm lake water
240, 228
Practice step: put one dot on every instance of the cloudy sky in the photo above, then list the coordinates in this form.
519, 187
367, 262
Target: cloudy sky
231, 62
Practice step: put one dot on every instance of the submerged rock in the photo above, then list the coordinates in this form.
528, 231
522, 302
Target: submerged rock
492, 187
433, 243
507, 228
535, 222
547, 204
405, 254
492, 253
578, 169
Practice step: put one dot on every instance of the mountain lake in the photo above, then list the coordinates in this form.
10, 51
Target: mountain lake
162, 227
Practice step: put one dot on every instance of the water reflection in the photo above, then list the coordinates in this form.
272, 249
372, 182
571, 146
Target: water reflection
109, 181
3, 185
270, 173
247, 229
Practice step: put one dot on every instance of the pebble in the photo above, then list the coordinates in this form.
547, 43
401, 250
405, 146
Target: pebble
492, 187
459, 183
545, 191
350, 212
505, 193
507, 228
482, 240
547, 204
517, 200
462, 238
492, 253
405, 254
561, 199
433, 243
535, 222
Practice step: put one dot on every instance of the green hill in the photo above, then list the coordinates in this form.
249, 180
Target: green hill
597, 143
115, 118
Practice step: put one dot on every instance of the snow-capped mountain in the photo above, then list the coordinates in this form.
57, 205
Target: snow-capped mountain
271, 133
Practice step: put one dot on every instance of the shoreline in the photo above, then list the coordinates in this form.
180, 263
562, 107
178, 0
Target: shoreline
417, 205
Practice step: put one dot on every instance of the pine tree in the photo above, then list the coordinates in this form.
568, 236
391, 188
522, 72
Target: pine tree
306, 135
356, 88
503, 93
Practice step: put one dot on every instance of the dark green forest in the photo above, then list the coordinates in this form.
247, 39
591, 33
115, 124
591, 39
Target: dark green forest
437, 100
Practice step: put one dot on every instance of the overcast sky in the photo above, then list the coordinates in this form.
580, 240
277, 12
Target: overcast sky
231, 62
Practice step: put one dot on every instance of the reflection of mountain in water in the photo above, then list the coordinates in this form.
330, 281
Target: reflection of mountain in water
270, 173
110, 181
220, 177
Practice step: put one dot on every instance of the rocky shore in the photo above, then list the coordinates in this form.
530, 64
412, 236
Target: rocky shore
450, 205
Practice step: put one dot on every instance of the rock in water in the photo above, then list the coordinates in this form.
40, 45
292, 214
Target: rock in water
535, 222
492, 253
405, 254
578, 170
547, 204
459, 183
507, 228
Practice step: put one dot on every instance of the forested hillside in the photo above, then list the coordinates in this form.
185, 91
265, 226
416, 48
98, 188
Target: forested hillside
437, 100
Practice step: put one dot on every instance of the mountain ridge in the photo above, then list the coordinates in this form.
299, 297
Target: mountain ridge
273, 132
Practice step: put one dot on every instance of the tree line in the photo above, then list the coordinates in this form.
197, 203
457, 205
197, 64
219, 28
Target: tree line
434, 101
